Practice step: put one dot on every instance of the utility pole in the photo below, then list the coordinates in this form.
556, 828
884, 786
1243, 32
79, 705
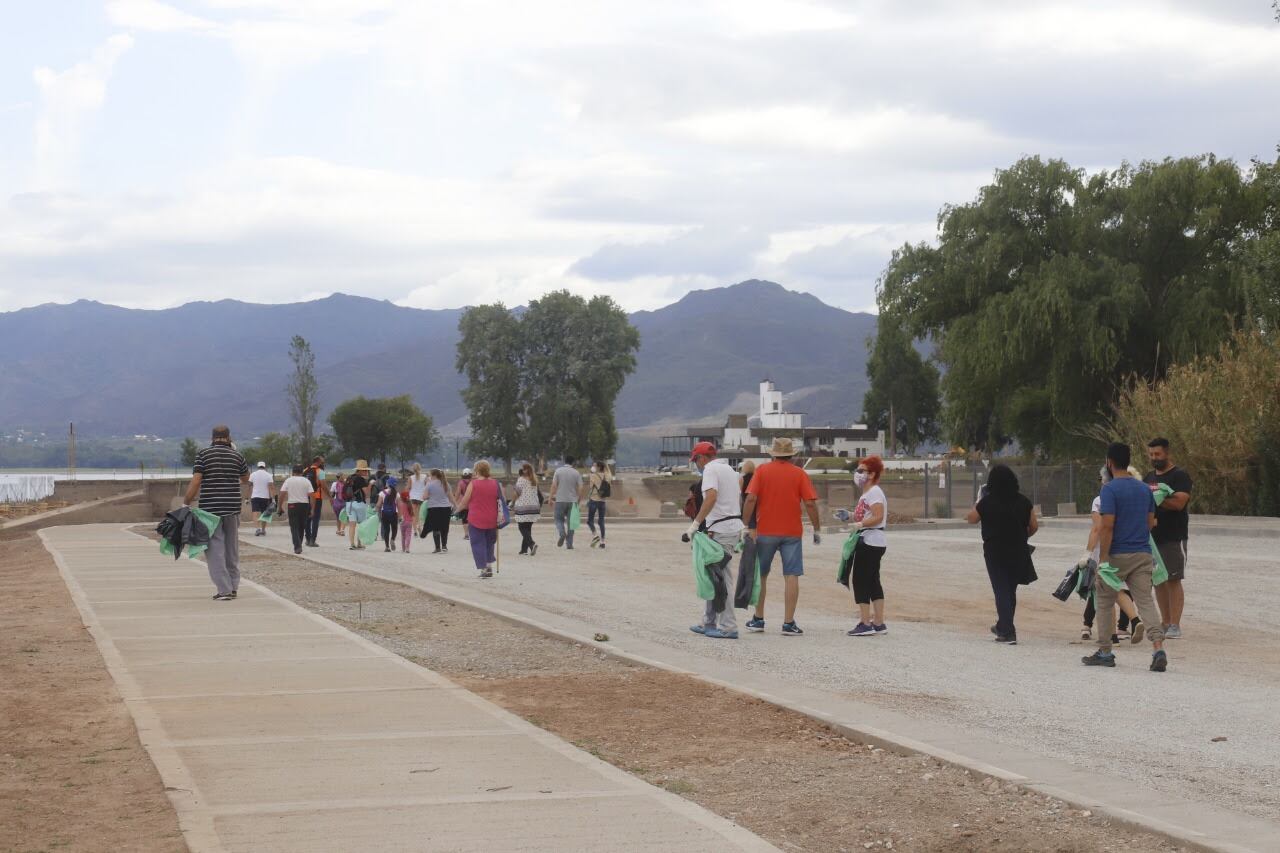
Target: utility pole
71, 452
893, 432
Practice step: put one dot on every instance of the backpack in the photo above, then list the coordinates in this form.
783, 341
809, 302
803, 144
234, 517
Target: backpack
347, 493
604, 489
311, 478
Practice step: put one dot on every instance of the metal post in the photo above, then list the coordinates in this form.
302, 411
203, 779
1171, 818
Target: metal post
926, 491
949, 479
1071, 483
1035, 484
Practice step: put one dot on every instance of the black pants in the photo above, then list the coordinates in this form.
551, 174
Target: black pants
299, 515
437, 525
390, 524
526, 536
866, 573
1004, 583
313, 525
1090, 611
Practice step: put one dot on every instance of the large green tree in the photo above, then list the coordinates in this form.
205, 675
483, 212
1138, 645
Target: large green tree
1053, 288
566, 361
491, 356
376, 428
904, 387
303, 394
188, 451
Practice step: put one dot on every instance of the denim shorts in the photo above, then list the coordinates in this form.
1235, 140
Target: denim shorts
792, 559
357, 511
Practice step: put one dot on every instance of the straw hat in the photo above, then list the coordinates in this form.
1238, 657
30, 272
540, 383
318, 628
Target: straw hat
362, 465
782, 447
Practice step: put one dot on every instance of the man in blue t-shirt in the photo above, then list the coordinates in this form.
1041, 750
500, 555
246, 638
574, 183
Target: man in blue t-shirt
1128, 514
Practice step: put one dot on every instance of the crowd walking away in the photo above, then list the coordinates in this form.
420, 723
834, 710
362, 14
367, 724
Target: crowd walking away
1130, 575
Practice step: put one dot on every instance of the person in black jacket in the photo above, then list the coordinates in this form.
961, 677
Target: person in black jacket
1008, 520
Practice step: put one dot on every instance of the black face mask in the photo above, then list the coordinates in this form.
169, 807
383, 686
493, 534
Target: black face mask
1160, 464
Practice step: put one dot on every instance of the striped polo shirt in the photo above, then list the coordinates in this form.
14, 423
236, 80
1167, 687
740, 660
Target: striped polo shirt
221, 468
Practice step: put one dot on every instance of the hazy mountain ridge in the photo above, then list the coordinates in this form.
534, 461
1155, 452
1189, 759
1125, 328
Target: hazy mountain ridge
177, 371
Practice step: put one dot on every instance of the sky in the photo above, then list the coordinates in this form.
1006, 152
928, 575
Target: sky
441, 154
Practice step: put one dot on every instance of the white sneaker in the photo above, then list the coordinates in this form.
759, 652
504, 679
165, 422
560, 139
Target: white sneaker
1173, 632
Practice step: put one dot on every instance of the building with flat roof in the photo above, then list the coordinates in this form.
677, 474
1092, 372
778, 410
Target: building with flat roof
738, 438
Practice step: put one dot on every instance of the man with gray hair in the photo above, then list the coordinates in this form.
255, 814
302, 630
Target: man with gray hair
215, 479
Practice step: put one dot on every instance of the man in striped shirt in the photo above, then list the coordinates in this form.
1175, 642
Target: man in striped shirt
216, 477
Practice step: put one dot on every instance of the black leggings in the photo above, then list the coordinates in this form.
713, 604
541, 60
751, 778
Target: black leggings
866, 573
390, 525
526, 536
438, 525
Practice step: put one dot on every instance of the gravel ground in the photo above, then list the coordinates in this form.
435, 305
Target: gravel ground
938, 662
784, 776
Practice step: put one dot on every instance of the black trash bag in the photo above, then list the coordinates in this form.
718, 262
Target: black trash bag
1068, 585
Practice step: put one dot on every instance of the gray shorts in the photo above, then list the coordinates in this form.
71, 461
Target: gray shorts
1174, 555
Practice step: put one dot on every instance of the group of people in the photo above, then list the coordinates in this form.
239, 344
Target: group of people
1136, 521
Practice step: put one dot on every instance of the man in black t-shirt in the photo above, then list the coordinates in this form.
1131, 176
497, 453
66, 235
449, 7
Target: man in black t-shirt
1170, 533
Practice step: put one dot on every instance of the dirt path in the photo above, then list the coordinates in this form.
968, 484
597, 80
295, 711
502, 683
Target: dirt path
73, 775
793, 781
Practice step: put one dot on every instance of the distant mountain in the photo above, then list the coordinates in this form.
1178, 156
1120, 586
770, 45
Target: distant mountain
119, 371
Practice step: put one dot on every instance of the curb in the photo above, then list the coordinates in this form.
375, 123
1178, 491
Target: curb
882, 738
17, 523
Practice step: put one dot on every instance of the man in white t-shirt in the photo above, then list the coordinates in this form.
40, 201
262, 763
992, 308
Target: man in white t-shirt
297, 491
721, 518
260, 498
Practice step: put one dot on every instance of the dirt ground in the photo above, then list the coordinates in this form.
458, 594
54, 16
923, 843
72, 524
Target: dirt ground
73, 775
793, 781
11, 511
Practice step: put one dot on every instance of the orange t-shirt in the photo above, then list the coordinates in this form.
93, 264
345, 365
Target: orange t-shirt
779, 488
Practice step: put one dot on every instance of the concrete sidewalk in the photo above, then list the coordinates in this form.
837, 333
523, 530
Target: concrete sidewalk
275, 729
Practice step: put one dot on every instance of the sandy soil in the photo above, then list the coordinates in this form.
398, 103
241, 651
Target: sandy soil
793, 781
73, 775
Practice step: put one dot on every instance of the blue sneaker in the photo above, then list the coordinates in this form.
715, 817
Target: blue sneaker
791, 629
862, 629
1159, 661
755, 624
698, 629
881, 629
1101, 658
717, 634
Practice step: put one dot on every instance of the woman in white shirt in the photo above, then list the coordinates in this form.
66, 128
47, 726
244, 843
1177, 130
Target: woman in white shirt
870, 517
417, 488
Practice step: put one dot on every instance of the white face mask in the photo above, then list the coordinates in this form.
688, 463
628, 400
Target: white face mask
861, 478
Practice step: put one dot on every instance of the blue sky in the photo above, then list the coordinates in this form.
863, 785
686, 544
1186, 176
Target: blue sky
444, 154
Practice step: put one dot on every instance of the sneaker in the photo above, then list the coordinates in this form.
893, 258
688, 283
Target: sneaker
862, 629
698, 629
533, 549
880, 629
717, 634
1136, 631
560, 542
595, 541
297, 550
1173, 632
223, 596
1099, 658
487, 573
313, 544
791, 629
444, 550
1086, 633
1007, 639
1121, 634
1115, 639
1159, 661
437, 551
233, 593
601, 544
755, 624
568, 547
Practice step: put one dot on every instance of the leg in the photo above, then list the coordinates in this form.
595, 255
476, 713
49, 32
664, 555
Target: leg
766, 547
446, 520
792, 569
722, 574
232, 525
591, 516
479, 550
1138, 578
1105, 603
1163, 604
217, 558
561, 513
790, 596
1089, 612
1176, 600
862, 581
313, 530
1125, 602
296, 523
999, 577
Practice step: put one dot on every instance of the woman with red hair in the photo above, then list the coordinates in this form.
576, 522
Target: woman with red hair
870, 517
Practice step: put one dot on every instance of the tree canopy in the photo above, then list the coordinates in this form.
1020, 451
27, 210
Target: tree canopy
1054, 288
376, 428
902, 383
545, 382
303, 393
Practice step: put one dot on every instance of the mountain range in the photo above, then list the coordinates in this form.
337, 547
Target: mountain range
177, 371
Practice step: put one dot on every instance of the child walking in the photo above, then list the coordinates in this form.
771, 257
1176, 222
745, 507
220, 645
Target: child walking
408, 515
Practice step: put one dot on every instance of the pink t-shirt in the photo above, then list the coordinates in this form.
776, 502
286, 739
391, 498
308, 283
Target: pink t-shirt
482, 511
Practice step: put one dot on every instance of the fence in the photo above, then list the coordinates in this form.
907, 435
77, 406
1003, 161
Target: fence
946, 490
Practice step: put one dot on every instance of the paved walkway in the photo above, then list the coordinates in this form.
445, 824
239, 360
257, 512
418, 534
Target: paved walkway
276, 730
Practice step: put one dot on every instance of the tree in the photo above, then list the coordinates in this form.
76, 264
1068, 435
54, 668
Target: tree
1051, 289
902, 383
367, 428
189, 450
303, 395
490, 355
277, 449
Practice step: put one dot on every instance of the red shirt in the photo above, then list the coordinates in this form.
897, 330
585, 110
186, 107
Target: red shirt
482, 511
779, 488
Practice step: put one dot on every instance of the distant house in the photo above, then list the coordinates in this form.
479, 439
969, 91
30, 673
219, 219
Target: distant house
739, 438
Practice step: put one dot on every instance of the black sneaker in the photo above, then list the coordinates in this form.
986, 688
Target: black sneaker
223, 596
560, 542
1007, 639
1159, 661
791, 629
233, 593
313, 544
297, 550
1099, 658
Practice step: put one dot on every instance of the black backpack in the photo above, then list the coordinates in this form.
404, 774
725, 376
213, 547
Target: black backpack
604, 490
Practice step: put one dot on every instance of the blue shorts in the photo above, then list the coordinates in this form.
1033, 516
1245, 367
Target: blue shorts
792, 558
357, 511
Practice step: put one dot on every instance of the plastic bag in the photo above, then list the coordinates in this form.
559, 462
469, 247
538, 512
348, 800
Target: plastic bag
575, 518
1159, 574
422, 513
1108, 574
342, 515
211, 523
1069, 584
705, 551
844, 572
367, 530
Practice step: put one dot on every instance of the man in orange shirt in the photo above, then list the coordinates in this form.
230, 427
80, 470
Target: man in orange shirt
315, 476
774, 497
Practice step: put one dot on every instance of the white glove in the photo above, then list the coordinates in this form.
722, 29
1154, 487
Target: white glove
1084, 561
689, 531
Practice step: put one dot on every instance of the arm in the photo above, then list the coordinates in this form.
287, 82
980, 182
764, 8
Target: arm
811, 507
1104, 543
874, 518
1034, 525
1095, 532
1151, 521
708, 502
748, 510
465, 501
973, 517
1176, 501
193, 489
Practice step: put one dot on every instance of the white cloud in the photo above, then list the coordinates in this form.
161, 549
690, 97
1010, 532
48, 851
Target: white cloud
67, 100
154, 16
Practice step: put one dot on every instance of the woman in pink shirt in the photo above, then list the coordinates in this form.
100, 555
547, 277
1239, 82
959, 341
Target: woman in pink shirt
480, 503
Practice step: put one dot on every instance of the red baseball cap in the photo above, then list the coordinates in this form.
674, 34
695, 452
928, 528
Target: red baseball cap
702, 448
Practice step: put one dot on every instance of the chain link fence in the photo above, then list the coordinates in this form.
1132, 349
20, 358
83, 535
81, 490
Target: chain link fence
949, 490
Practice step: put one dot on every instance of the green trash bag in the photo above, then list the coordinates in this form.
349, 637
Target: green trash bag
1108, 574
1159, 574
342, 516
706, 551
422, 513
211, 523
575, 518
1161, 492
367, 530
844, 571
